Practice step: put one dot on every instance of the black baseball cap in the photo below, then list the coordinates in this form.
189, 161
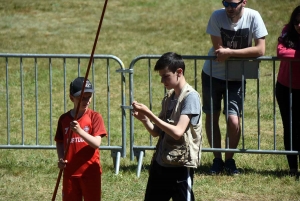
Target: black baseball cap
76, 86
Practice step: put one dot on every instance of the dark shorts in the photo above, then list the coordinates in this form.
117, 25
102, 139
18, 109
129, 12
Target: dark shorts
219, 92
165, 183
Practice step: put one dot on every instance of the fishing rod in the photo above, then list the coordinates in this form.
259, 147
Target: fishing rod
80, 99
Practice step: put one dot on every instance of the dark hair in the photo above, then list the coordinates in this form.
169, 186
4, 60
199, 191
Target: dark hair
291, 38
170, 60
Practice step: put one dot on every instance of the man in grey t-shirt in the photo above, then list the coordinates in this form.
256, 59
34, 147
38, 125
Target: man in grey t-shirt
232, 30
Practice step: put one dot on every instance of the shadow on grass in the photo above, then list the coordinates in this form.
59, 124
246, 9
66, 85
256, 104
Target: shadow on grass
133, 168
204, 170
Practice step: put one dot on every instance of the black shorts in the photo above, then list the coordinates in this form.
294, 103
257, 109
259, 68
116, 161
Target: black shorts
165, 183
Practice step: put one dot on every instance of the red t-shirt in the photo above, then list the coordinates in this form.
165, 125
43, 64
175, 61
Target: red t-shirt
82, 158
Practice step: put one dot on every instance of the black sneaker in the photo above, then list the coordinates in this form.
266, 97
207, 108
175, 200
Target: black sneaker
293, 172
230, 167
217, 166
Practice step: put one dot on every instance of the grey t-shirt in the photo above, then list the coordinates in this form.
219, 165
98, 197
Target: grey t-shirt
191, 105
234, 35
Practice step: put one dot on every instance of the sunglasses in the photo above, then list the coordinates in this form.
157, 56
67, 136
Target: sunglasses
232, 5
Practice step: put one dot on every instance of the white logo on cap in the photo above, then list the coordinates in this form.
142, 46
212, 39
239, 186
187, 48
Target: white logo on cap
88, 84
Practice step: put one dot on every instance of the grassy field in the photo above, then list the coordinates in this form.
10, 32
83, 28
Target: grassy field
131, 28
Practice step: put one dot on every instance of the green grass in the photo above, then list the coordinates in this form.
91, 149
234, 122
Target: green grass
130, 28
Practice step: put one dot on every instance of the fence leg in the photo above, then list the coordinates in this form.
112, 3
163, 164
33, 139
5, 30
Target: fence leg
140, 163
116, 160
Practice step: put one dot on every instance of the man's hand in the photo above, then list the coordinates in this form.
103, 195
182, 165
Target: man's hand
222, 53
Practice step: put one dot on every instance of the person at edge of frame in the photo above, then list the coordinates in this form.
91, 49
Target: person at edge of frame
289, 48
82, 169
232, 30
179, 128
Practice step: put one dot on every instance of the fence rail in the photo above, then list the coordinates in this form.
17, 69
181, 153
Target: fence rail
35, 100
248, 68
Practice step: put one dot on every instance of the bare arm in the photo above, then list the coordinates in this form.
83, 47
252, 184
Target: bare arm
60, 154
175, 131
151, 128
223, 53
60, 150
93, 141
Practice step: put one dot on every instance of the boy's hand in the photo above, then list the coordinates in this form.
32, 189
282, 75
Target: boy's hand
75, 126
138, 111
61, 163
139, 107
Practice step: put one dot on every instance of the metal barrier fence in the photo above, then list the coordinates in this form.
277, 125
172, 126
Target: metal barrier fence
34, 102
36, 89
258, 71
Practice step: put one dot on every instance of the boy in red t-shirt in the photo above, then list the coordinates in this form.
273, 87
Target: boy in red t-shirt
82, 170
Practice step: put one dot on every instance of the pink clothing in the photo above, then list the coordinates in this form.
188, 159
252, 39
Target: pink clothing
286, 54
